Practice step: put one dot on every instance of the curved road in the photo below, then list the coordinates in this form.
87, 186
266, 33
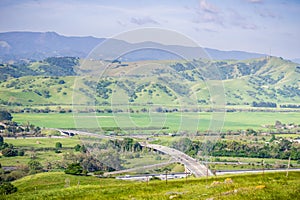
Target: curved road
190, 163
139, 168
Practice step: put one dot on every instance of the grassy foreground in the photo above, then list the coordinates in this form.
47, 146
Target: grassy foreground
57, 185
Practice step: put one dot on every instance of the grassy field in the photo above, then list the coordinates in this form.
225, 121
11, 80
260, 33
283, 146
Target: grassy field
43, 142
175, 121
31, 144
61, 186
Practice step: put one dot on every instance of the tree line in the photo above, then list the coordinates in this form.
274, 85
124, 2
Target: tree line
279, 149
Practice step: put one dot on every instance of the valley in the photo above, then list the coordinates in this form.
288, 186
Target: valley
243, 118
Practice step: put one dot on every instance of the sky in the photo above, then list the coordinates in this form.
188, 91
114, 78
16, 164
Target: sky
262, 26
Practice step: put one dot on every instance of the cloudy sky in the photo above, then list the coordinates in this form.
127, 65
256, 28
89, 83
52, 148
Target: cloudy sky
263, 26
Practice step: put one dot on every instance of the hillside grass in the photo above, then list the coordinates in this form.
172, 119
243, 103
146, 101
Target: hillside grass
275, 81
56, 185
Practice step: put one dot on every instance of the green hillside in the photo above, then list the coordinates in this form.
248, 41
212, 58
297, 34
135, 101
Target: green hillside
58, 185
163, 83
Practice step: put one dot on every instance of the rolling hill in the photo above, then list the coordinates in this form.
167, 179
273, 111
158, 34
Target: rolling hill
173, 83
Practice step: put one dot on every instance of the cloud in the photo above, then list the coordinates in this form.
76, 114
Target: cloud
267, 14
143, 20
255, 1
208, 13
208, 7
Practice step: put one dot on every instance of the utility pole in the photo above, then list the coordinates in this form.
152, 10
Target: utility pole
166, 176
263, 165
147, 180
288, 167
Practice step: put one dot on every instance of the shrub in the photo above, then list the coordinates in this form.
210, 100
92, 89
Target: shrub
77, 147
21, 152
74, 169
58, 145
35, 165
9, 152
4, 115
7, 188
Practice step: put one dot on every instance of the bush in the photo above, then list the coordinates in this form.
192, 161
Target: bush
7, 188
35, 165
58, 145
77, 147
4, 115
9, 152
21, 152
74, 169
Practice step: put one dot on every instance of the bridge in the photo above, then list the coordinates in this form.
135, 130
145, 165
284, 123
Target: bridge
190, 163
83, 133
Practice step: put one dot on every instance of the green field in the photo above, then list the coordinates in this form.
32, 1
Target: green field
39, 147
43, 142
188, 121
61, 186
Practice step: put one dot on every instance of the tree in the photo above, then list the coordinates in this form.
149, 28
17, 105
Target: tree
61, 82
74, 169
58, 145
77, 147
1, 140
4, 115
35, 165
273, 138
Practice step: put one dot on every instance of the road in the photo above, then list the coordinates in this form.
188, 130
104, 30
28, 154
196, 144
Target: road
139, 168
254, 171
190, 163
75, 132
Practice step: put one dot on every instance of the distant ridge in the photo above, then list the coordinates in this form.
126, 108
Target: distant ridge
40, 45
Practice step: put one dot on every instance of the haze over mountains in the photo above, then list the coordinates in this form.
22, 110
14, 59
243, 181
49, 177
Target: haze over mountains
40, 45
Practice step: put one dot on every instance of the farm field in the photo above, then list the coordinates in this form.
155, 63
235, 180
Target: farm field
57, 185
187, 121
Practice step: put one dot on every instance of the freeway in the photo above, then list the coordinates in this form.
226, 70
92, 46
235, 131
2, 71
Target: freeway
75, 132
190, 163
253, 171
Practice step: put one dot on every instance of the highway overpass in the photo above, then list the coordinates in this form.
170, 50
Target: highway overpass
191, 164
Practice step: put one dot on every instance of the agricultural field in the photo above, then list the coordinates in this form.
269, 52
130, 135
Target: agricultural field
186, 121
57, 185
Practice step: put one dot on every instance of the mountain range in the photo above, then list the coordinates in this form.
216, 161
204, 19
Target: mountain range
40, 45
